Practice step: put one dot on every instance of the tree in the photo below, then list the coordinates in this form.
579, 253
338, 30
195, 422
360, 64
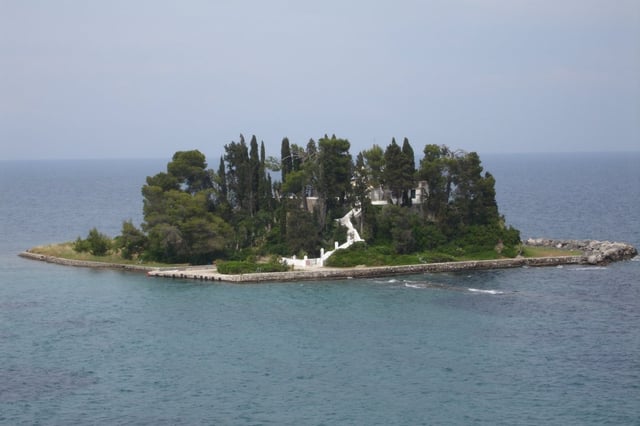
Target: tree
238, 175
397, 175
301, 232
190, 169
374, 162
96, 243
178, 213
436, 168
286, 159
334, 162
220, 187
254, 177
181, 229
334, 174
408, 172
132, 241
474, 196
361, 187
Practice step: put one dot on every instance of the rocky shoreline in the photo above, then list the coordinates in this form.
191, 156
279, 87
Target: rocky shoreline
593, 253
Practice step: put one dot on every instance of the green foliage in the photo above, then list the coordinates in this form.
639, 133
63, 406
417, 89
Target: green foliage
248, 267
96, 243
190, 170
302, 234
180, 226
374, 164
132, 241
361, 254
193, 214
334, 176
81, 246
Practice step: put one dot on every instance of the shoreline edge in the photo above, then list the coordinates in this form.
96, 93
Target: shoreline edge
594, 253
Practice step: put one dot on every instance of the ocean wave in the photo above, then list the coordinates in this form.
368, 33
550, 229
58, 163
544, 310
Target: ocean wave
590, 268
477, 290
416, 285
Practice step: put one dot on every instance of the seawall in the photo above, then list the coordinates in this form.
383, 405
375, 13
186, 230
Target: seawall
85, 263
594, 253
363, 272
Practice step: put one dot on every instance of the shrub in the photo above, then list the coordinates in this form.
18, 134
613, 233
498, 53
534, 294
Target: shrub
246, 267
96, 243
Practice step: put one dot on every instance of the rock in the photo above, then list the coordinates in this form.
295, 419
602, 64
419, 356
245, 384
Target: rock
595, 252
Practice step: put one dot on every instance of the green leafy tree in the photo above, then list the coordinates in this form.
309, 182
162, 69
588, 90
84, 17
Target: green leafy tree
286, 159
178, 212
184, 230
408, 172
132, 241
334, 175
238, 175
190, 169
396, 174
375, 165
96, 243
436, 168
302, 234
361, 188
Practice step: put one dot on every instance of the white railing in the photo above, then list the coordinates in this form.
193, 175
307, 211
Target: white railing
352, 237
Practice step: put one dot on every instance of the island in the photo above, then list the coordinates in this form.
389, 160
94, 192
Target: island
317, 213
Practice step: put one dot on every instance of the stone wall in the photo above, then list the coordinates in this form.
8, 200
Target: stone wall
594, 253
85, 263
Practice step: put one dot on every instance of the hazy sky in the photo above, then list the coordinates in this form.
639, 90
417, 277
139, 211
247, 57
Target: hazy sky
136, 78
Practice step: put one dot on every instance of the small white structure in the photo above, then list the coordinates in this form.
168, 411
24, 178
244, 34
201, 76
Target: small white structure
380, 196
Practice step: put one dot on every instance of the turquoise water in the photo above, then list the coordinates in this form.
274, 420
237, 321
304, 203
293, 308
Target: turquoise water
523, 346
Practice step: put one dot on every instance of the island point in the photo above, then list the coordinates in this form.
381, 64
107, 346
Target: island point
316, 212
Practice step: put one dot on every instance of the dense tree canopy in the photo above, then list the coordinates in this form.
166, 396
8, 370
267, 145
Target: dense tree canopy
195, 214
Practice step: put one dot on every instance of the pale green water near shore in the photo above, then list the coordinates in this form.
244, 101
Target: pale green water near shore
522, 346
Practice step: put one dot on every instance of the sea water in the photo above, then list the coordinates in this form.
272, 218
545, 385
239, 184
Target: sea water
520, 346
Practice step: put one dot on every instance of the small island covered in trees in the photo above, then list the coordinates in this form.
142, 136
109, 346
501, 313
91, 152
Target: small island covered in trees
256, 209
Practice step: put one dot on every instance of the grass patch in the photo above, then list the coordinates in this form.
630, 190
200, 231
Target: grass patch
66, 251
539, 251
362, 254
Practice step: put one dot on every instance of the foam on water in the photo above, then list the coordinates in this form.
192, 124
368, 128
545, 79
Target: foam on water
477, 290
590, 268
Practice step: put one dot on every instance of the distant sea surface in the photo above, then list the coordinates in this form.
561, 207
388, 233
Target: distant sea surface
524, 346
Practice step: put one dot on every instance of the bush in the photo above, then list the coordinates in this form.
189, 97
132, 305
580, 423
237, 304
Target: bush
245, 267
96, 243
132, 242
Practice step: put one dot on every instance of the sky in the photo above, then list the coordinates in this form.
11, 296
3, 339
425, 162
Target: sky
146, 78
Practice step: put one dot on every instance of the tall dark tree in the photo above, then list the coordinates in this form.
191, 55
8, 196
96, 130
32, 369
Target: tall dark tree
408, 172
177, 214
374, 161
334, 174
395, 176
238, 175
190, 168
361, 188
265, 194
286, 159
222, 181
254, 165
474, 197
437, 169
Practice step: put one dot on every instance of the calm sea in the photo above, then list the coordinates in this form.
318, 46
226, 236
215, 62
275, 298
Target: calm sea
515, 347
